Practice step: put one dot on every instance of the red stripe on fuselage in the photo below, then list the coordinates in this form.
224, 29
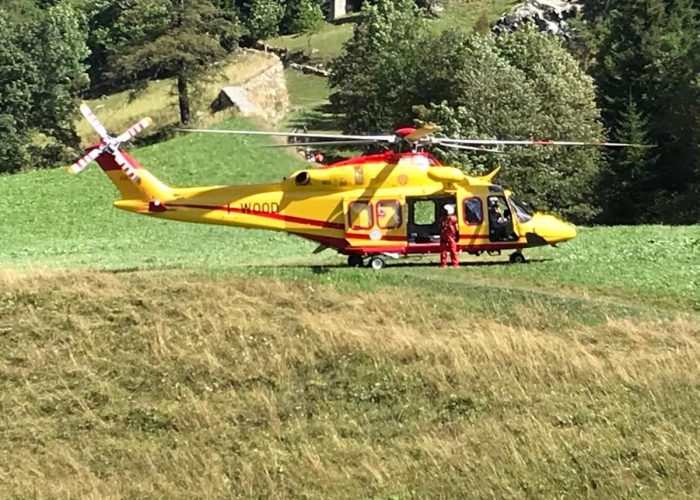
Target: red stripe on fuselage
269, 215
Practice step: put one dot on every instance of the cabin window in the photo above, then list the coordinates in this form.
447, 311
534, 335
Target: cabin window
473, 211
389, 214
360, 213
424, 212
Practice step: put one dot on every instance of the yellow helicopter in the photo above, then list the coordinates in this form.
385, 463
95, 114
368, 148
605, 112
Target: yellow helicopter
371, 208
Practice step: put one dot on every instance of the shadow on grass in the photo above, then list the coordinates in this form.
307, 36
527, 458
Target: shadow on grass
322, 269
353, 18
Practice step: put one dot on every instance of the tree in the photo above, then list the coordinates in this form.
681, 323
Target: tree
59, 47
649, 55
263, 18
41, 76
17, 72
625, 179
309, 19
374, 80
521, 85
180, 38
19, 9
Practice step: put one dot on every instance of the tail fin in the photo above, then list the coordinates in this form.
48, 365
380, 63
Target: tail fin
144, 187
491, 175
133, 181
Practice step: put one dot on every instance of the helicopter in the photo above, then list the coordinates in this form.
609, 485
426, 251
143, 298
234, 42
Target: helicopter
371, 208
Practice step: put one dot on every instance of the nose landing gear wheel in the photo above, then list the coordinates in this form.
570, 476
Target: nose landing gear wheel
376, 263
355, 260
517, 258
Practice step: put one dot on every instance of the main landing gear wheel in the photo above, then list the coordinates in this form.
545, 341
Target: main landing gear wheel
376, 263
517, 258
355, 260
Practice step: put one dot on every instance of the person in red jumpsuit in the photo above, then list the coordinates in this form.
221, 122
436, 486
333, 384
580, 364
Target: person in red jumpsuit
448, 236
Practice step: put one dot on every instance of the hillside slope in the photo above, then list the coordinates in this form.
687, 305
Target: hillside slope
176, 385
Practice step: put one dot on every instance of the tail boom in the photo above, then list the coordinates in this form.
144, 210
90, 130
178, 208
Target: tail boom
145, 188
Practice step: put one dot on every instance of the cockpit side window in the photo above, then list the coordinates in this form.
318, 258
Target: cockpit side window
522, 209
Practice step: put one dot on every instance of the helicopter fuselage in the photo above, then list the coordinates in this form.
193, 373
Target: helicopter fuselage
389, 203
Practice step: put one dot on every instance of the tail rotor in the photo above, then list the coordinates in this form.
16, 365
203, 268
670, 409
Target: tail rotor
109, 144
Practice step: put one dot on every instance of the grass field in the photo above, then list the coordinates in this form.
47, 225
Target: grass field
178, 384
148, 358
145, 358
328, 42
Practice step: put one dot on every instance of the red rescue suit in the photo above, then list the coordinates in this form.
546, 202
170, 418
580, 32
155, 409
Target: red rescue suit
448, 240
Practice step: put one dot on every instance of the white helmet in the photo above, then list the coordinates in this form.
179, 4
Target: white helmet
450, 209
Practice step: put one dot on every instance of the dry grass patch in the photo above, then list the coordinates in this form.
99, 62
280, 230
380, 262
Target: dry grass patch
169, 384
158, 99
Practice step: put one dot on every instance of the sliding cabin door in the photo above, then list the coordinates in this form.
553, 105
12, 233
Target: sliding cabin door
424, 214
375, 223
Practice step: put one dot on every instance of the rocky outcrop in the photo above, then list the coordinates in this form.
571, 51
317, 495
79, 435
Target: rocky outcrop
264, 94
550, 16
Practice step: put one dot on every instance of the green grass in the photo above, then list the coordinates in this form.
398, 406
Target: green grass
463, 14
328, 43
141, 357
306, 91
325, 45
55, 220
145, 358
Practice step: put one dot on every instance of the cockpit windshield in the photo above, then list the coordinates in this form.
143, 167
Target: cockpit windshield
522, 209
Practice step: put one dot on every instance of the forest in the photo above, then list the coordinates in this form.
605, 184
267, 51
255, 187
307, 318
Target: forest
628, 71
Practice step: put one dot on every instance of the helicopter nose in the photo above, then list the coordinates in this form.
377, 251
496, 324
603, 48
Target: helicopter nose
553, 230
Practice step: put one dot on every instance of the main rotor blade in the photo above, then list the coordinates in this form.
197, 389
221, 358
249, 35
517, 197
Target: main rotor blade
384, 138
536, 142
135, 129
471, 148
83, 162
94, 121
318, 143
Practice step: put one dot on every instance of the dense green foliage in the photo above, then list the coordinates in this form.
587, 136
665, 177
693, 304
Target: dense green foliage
645, 59
41, 73
263, 18
519, 85
309, 19
647, 69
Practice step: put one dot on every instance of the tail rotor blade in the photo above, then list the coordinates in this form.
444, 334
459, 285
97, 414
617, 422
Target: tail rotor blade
94, 121
83, 162
125, 166
134, 129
